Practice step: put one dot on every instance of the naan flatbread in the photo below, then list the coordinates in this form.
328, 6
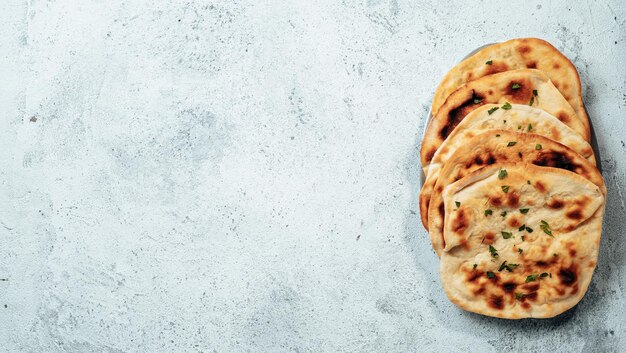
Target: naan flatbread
517, 86
494, 147
538, 259
520, 118
522, 53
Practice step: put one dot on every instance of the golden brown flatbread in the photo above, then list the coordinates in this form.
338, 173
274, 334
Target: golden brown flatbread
538, 259
495, 147
520, 118
518, 86
522, 53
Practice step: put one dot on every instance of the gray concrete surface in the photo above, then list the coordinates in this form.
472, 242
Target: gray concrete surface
241, 176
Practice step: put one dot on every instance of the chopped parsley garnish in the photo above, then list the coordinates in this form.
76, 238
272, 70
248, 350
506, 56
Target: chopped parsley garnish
488, 212
519, 250
531, 278
512, 143
491, 110
532, 101
538, 146
502, 174
491, 275
505, 188
522, 227
506, 235
515, 86
546, 228
555, 255
477, 100
457, 203
530, 127
519, 296
535, 92
528, 229
519, 154
524, 210
508, 267
523, 237
507, 106
489, 62
497, 135
474, 267
528, 182
503, 214
519, 127
494, 252
544, 275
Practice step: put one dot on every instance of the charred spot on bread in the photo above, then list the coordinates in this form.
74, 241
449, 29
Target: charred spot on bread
509, 287
496, 67
531, 64
460, 222
430, 154
563, 117
496, 302
540, 187
555, 204
574, 214
520, 90
512, 199
555, 159
489, 238
568, 276
457, 114
524, 49
495, 201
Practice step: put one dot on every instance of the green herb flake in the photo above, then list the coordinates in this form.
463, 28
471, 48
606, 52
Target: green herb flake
505, 188
515, 86
488, 212
531, 278
491, 275
512, 143
535, 92
538, 146
503, 214
523, 237
519, 250
457, 203
519, 296
489, 62
491, 110
530, 127
508, 267
493, 252
474, 267
507, 106
528, 182
544, 275
497, 135
524, 210
528, 229
506, 235
522, 227
546, 228
532, 101
555, 255
502, 174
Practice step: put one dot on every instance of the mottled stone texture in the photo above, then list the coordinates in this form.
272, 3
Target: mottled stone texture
242, 176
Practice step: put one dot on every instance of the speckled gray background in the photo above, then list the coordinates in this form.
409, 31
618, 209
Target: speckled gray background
241, 176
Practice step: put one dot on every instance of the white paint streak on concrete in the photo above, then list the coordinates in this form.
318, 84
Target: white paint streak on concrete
232, 176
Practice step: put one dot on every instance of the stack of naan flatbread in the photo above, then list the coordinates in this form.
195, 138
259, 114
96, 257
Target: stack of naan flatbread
512, 199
